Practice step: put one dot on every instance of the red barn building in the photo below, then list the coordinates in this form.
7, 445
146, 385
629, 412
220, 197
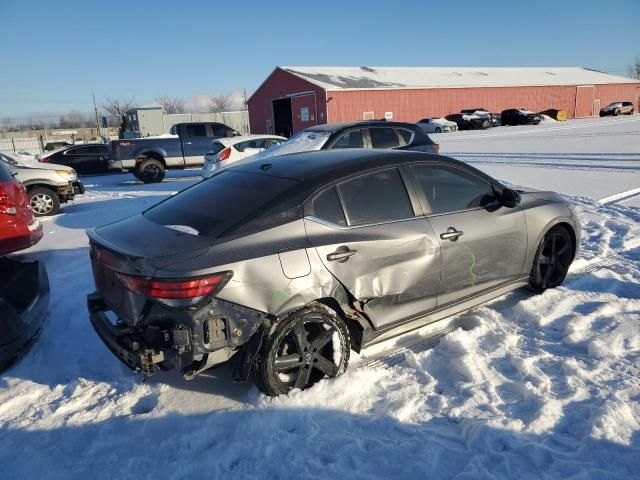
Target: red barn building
293, 98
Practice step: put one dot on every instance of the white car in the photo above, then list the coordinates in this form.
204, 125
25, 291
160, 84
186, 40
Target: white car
225, 151
437, 125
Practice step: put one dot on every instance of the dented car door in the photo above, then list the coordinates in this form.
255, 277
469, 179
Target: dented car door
368, 235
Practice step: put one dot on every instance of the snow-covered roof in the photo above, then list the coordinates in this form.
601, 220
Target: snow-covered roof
349, 78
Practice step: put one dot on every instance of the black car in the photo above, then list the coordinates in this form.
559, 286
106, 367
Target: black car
483, 112
469, 121
89, 158
519, 116
377, 134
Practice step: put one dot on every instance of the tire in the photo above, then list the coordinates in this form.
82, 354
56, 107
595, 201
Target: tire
44, 201
299, 350
438, 130
616, 113
552, 260
150, 171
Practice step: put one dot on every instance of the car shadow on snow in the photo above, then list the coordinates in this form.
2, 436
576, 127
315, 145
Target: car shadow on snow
301, 442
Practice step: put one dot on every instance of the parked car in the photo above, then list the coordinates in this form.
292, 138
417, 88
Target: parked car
437, 125
224, 151
148, 158
494, 118
19, 229
366, 134
48, 185
87, 159
469, 122
330, 251
24, 300
617, 108
519, 116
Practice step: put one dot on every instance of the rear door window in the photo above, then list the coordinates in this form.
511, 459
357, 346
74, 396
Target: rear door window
326, 206
375, 198
405, 136
195, 130
350, 139
256, 143
256, 201
383, 137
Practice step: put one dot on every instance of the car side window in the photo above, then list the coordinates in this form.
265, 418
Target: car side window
274, 141
405, 135
450, 190
80, 151
376, 197
383, 137
218, 131
195, 130
350, 139
326, 206
259, 143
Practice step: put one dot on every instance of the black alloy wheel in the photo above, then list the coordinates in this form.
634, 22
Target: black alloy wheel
552, 261
306, 346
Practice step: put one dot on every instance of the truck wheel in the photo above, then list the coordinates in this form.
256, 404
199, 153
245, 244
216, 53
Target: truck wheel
305, 346
150, 171
44, 201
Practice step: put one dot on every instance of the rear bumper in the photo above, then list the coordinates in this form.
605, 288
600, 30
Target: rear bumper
122, 341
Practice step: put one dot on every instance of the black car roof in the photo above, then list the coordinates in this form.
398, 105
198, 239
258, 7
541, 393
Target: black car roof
318, 168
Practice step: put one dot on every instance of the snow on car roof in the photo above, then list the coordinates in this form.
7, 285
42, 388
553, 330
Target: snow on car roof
346, 78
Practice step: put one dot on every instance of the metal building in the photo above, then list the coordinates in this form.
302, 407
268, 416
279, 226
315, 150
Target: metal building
293, 98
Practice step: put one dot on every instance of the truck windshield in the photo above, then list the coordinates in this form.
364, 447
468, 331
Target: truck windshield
229, 203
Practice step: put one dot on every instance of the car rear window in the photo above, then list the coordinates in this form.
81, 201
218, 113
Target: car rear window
229, 203
216, 147
5, 173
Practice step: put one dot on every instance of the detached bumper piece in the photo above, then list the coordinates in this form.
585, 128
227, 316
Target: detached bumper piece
139, 354
78, 188
24, 301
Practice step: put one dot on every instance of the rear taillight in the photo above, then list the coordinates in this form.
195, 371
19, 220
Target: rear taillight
436, 147
44, 160
224, 154
7, 206
176, 289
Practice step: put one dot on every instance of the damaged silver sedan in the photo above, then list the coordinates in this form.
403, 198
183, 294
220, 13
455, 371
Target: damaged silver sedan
282, 268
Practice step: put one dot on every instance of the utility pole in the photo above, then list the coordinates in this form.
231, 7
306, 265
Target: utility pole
95, 109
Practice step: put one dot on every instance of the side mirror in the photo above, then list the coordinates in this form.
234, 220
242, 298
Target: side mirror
510, 198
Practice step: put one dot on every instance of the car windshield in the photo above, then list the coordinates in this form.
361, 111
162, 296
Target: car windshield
204, 208
304, 141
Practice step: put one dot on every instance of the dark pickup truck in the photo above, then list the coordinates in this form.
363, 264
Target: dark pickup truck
185, 146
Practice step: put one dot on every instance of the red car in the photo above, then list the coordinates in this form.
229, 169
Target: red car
19, 228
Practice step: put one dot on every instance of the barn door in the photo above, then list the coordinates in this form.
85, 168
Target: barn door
303, 110
584, 100
596, 107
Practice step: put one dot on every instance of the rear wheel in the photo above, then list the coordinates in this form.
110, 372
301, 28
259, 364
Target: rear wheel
616, 113
552, 260
306, 346
44, 201
150, 171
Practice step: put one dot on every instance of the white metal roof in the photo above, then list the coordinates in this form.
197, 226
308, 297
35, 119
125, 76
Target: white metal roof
364, 78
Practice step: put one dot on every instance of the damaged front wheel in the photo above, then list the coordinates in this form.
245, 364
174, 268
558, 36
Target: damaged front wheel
309, 344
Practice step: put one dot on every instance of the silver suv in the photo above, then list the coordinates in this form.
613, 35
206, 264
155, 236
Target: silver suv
48, 184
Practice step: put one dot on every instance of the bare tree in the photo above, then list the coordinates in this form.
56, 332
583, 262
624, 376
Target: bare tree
116, 107
171, 104
635, 69
219, 103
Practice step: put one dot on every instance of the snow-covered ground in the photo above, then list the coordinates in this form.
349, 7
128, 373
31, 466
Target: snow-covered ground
527, 387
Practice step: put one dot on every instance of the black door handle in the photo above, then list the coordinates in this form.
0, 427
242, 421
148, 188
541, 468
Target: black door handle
342, 254
451, 234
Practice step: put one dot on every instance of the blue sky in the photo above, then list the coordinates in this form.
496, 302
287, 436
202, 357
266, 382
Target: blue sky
55, 53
